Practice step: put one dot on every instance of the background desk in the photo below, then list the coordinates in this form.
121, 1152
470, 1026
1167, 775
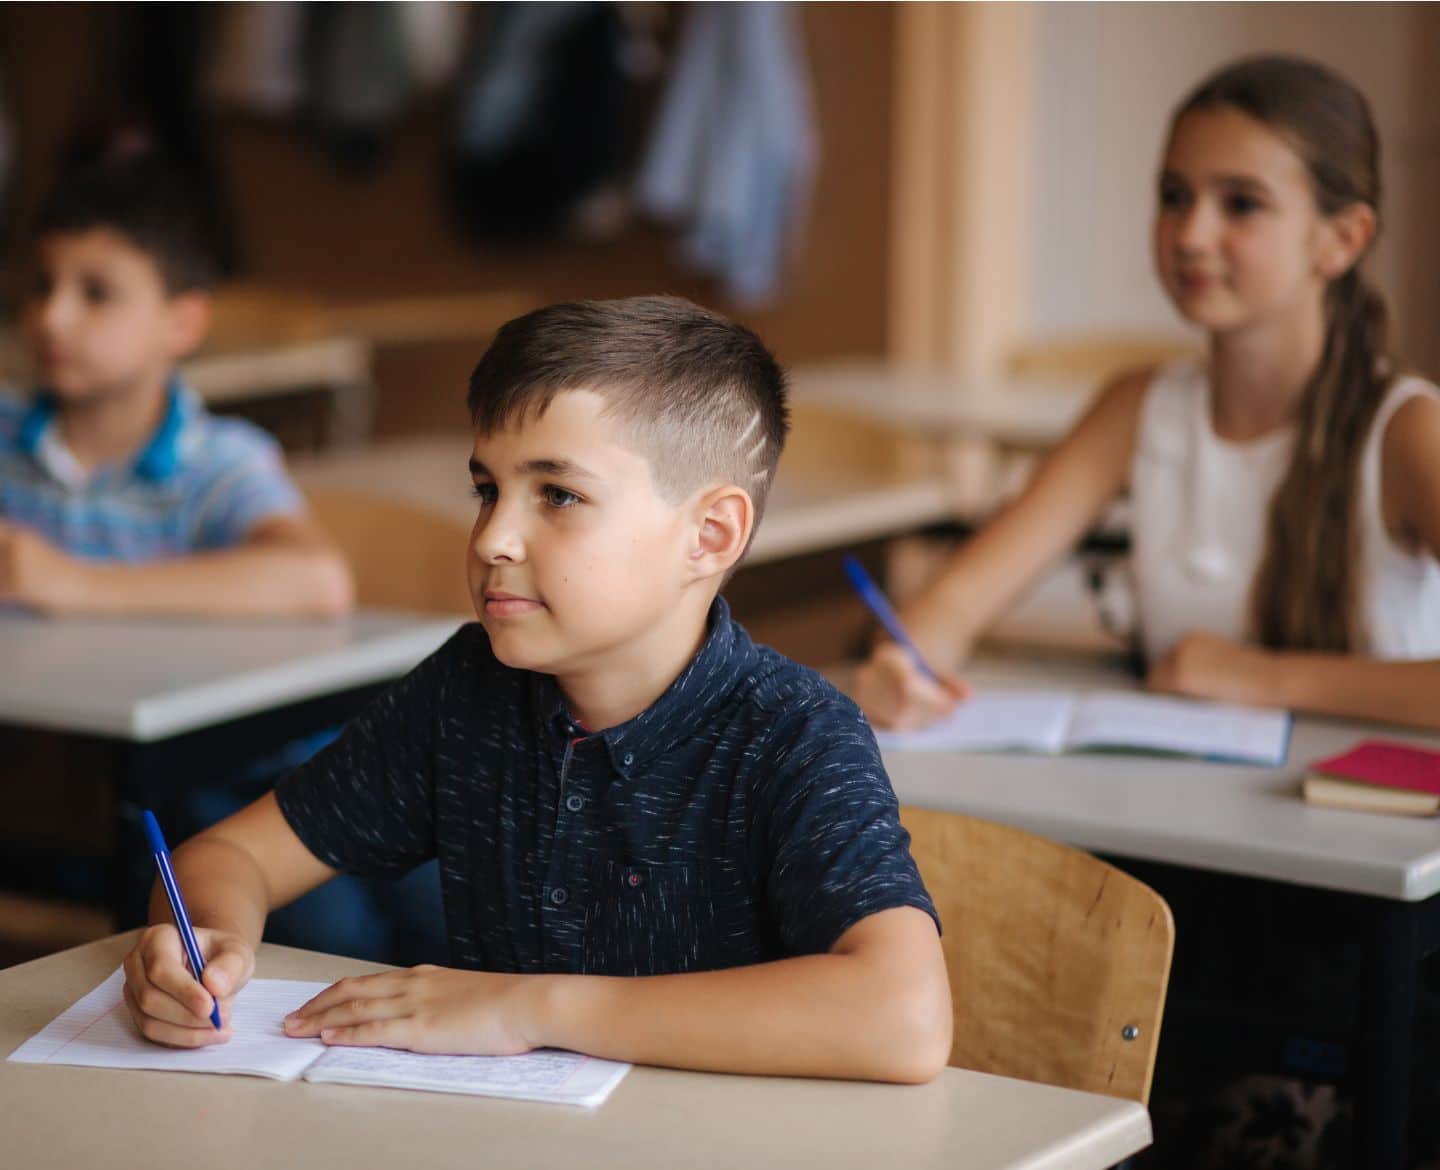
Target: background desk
1227, 819
169, 701
73, 1117
144, 680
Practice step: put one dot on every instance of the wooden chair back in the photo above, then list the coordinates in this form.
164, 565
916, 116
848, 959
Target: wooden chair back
1058, 962
403, 556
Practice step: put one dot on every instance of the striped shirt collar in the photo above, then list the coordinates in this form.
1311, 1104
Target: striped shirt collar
157, 462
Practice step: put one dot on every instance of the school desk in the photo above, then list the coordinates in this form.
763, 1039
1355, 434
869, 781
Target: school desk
70, 1117
171, 699
1232, 827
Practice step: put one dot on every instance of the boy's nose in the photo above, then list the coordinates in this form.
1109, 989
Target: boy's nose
498, 537
52, 312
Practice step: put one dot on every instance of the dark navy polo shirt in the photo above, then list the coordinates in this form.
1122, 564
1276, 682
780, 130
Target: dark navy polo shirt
744, 816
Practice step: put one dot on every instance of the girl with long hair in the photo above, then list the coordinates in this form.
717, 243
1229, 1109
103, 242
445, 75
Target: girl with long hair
1286, 489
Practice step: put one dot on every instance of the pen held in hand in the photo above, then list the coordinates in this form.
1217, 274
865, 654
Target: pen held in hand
156, 840
876, 602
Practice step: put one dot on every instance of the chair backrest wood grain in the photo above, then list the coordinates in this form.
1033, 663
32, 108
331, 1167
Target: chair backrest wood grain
403, 557
1058, 962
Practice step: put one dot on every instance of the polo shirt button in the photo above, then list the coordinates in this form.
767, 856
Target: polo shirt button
634, 879
574, 803
629, 758
560, 895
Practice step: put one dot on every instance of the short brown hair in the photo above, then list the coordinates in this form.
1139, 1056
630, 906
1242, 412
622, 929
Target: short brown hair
143, 198
703, 397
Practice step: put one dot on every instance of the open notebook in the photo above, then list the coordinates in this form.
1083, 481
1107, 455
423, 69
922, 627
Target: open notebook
1057, 721
97, 1031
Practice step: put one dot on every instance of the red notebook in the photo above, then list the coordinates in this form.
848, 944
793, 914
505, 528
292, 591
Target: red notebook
1377, 776
1390, 765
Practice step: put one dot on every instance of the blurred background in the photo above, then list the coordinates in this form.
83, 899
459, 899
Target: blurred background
937, 215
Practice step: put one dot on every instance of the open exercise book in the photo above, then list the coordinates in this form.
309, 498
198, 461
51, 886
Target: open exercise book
98, 1032
1057, 721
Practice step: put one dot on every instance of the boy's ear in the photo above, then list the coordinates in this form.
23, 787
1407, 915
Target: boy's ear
190, 315
1348, 234
725, 517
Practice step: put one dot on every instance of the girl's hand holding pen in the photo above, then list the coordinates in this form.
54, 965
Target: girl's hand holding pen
896, 695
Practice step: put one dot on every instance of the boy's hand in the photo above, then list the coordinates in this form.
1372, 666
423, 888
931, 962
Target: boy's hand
166, 1003
896, 696
1207, 666
425, 1009
33, 571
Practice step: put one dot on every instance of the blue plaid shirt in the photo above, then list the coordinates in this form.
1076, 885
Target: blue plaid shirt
200, 483
744, 816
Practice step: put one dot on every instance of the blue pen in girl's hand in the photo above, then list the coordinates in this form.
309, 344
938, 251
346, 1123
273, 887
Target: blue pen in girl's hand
177, 903
878, 605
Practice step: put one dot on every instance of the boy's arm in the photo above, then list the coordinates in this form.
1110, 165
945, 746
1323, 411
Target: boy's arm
361, 805
285, 567
232, 875
876, 1007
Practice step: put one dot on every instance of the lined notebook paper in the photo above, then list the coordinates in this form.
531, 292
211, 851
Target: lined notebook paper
97, 1032
1056, 721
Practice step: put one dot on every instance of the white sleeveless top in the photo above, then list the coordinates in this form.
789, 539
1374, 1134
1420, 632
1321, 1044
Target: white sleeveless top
1199, 505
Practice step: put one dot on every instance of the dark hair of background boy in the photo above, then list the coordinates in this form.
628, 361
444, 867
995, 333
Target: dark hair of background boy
141, 197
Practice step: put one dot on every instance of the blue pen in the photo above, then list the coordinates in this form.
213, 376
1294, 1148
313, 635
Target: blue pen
870, 594
177, 903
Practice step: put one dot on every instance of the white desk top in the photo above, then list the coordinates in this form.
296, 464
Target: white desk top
71, 1117
1223, 817
147, 680
803, 514
1026, 412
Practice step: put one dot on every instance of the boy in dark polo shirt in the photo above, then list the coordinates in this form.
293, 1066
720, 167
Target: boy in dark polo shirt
658, 841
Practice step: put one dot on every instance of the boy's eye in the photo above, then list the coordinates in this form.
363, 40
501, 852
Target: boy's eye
1241, 204
558, 497
484, 492
96, 292
41, 285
